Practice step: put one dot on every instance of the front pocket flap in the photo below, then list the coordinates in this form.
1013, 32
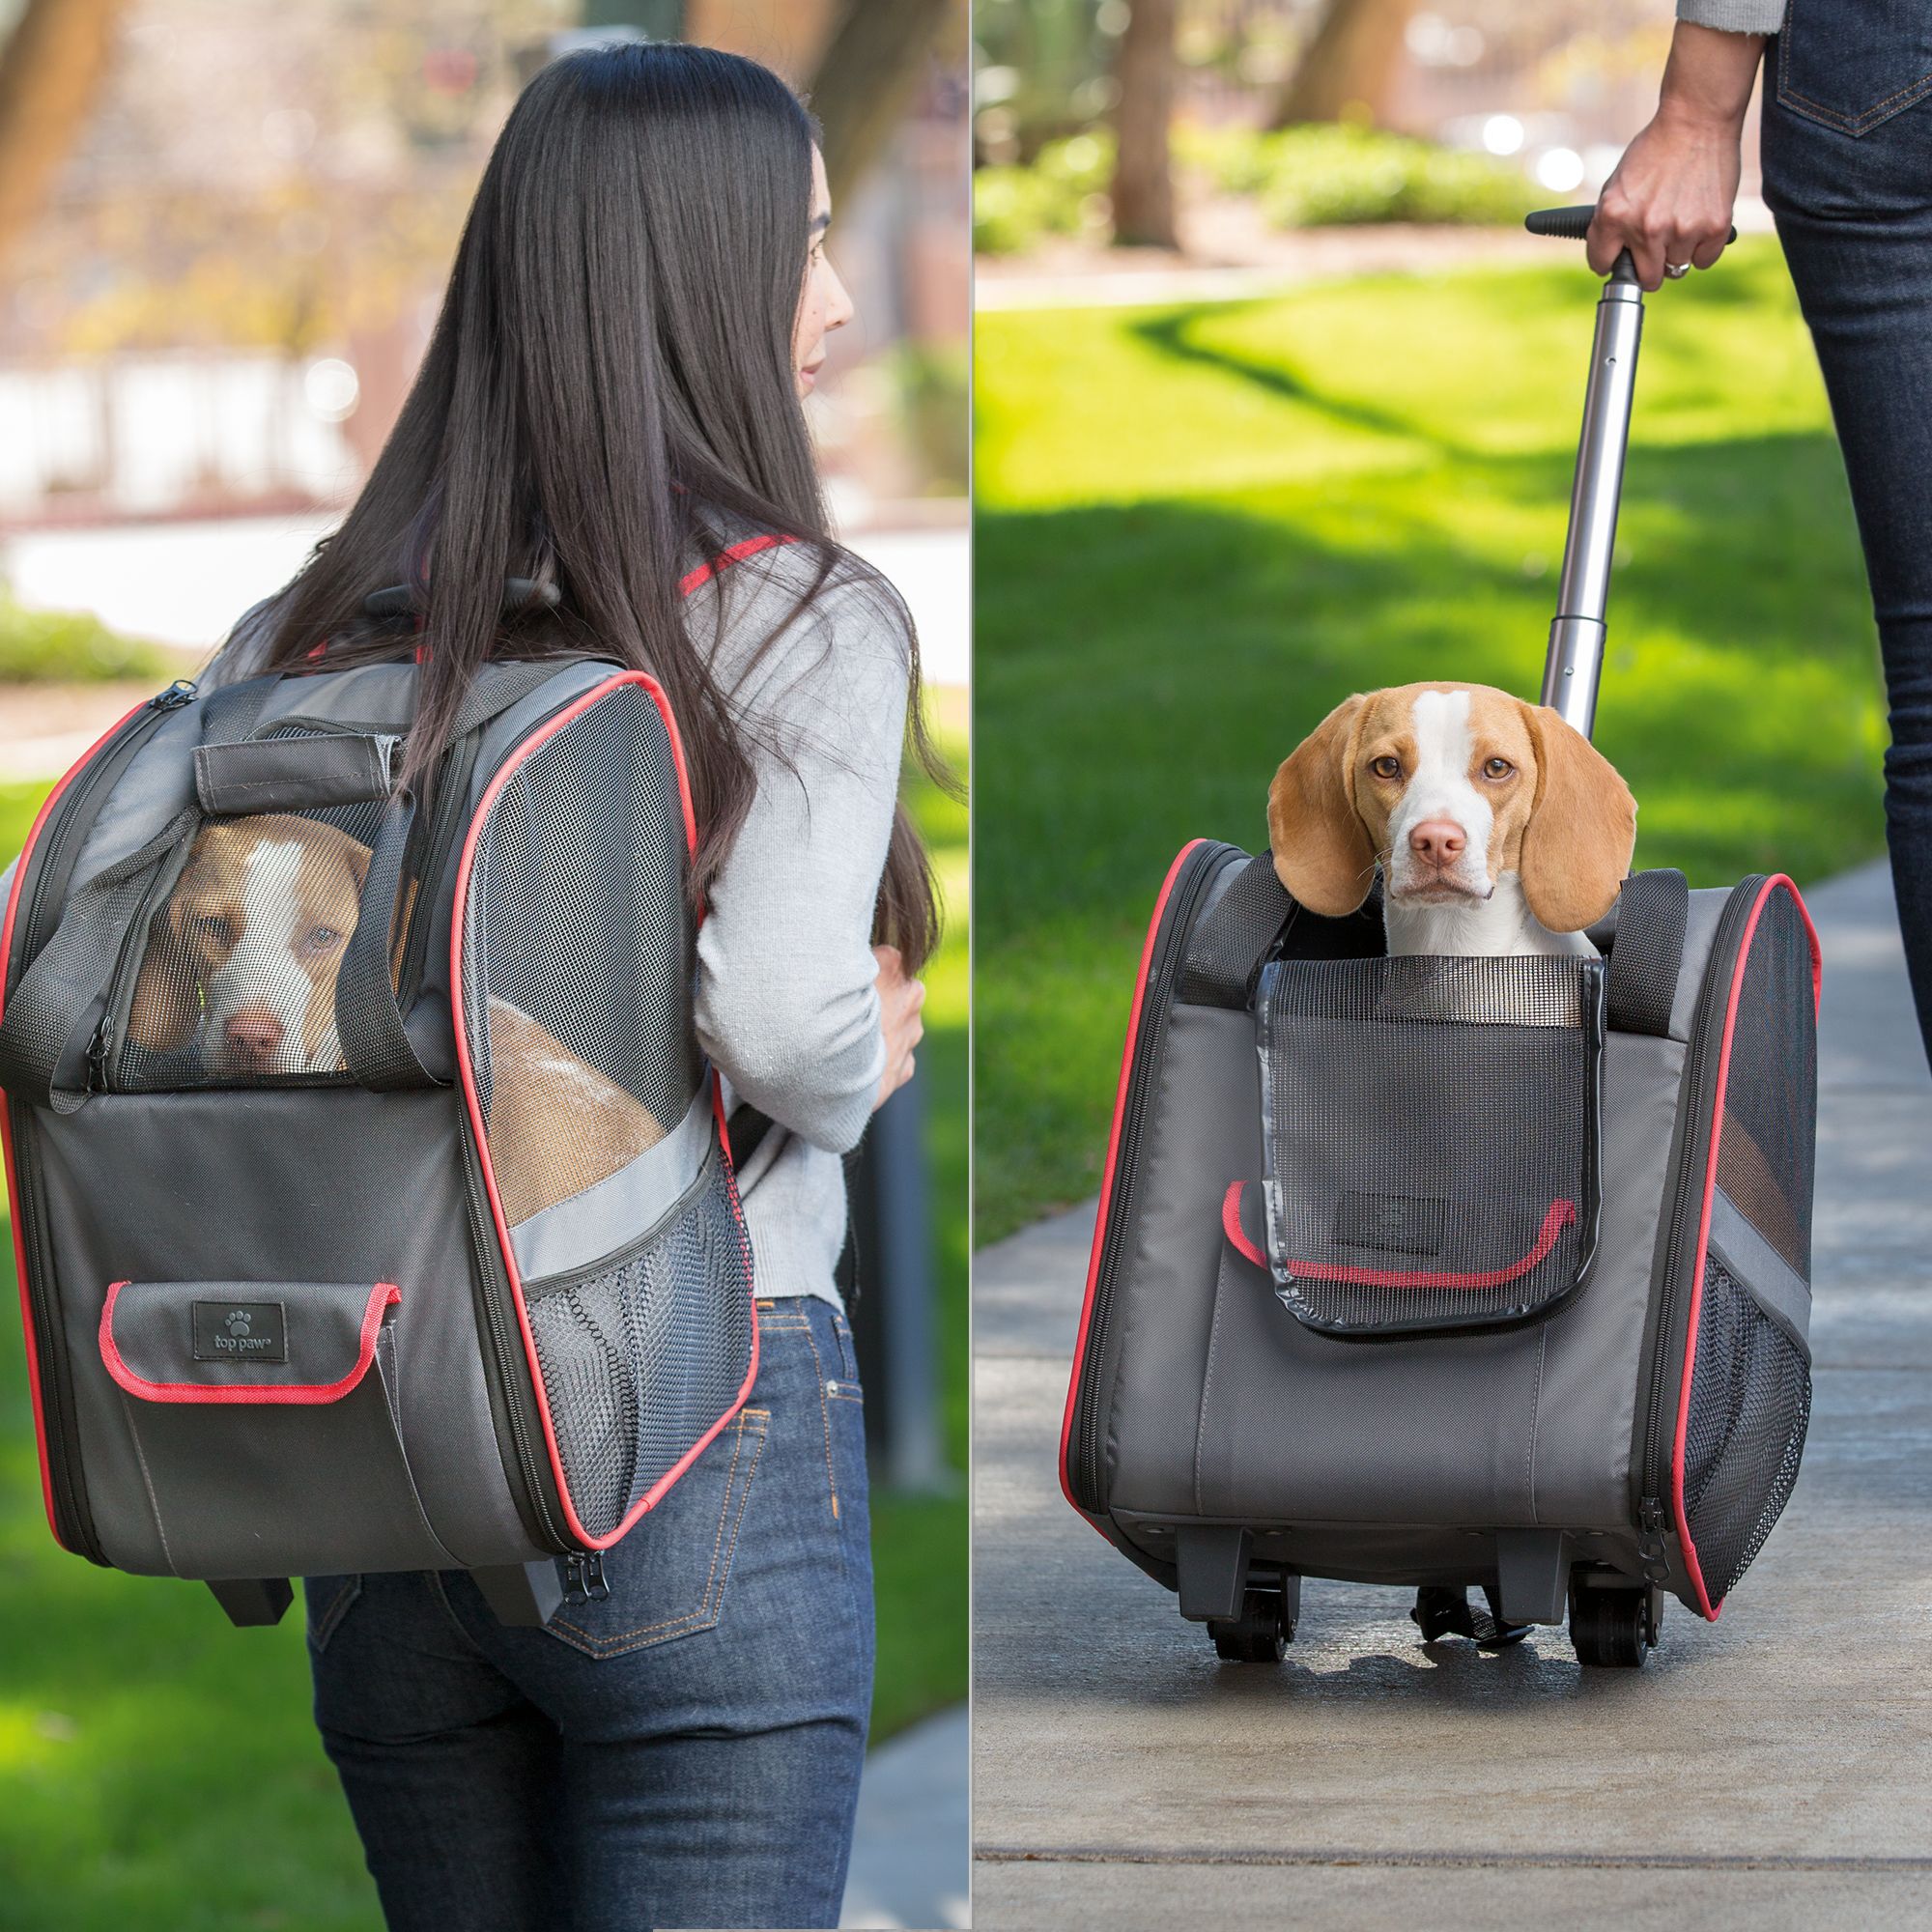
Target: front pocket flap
243, 1340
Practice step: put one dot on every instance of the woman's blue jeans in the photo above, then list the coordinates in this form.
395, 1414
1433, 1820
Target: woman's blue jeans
684, 1754
1847, 155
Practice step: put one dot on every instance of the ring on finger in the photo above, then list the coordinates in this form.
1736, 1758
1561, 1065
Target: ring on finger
1677, 270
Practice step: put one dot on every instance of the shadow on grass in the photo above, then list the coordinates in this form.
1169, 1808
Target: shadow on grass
1178, 333
1142, 669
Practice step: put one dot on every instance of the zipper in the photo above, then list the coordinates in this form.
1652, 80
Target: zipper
1715, 990
1184, 898
74, 1519
511, 1370
583, 1578
74, 822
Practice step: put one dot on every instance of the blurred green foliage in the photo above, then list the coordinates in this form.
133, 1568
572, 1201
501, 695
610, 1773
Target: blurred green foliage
71, 647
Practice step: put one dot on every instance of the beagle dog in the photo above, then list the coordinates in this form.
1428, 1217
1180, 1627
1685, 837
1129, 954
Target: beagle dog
1498, 827
240, 970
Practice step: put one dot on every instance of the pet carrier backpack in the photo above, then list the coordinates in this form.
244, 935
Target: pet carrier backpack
372, 1197
1458, 1272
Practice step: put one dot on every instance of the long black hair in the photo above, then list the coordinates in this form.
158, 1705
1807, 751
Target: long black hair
609, 395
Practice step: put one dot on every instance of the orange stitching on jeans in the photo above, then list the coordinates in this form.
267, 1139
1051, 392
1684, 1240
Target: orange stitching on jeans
606, 1645
818, 1361
1845, 123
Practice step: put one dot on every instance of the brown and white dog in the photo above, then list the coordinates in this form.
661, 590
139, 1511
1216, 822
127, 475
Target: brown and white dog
241, 966
1498, 827
242, 960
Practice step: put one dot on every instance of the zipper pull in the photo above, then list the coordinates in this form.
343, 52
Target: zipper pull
583, 1579
181, 692
96, 1057
1650, 1539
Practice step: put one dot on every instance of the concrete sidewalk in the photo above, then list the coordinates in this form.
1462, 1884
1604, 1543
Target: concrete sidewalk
1773, 1770
909, 1852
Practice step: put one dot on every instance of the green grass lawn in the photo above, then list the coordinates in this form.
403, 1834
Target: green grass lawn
1200, 528
145, 1746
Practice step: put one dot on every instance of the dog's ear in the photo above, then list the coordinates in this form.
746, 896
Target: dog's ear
1322, 853
1582, 827
166, 1007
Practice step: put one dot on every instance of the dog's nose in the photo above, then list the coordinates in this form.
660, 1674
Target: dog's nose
253, 1035
1437, 841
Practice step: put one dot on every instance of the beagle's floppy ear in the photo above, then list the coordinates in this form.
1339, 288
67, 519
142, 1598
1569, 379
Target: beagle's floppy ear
1582, 828
166, 1007
1322, 853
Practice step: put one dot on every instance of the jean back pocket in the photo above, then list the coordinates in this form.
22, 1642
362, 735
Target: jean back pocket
1852, 64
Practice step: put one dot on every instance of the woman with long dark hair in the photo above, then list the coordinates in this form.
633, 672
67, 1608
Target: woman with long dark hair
605, 451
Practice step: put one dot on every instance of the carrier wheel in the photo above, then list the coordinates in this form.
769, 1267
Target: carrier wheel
1260, 1634
1612, 1629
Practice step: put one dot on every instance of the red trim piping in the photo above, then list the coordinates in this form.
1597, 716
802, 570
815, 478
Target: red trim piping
1107, 1171
33, 831
1692, 1567
382, 1296
457, 980
1231, 1225
731, 553
1559, 1215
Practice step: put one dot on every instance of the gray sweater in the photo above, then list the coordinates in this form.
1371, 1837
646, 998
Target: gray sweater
1734, 16
785, 1002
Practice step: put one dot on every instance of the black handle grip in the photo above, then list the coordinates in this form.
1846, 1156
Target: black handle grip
1571, 225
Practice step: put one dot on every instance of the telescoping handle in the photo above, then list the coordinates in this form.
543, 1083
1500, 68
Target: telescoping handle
1574, 665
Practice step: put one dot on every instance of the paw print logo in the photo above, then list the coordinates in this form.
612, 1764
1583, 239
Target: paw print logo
238, 1321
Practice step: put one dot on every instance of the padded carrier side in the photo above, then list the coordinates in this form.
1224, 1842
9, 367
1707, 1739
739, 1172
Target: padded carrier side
595, 1113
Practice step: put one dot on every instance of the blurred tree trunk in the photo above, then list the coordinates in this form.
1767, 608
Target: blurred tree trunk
870, 68
1351, 65
51, 73
1142, 193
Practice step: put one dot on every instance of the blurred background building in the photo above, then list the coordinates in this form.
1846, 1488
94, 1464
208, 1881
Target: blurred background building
214, 304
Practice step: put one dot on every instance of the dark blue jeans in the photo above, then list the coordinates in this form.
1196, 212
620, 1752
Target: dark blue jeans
1847, 154
684, 1754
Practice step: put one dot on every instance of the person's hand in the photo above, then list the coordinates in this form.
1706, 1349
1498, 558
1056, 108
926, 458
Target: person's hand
899, 1001
1669, 201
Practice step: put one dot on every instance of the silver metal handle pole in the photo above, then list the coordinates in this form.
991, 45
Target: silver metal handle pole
1575, 666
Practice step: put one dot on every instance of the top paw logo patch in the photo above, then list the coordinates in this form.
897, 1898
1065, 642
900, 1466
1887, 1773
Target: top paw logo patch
239, 1331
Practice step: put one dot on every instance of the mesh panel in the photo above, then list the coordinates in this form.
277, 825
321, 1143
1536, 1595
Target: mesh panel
1771, 1092
1751, 1399
1431, 1131
234, 976
578, 956
640, 1360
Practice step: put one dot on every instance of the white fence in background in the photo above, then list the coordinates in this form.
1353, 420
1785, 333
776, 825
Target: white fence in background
146, 434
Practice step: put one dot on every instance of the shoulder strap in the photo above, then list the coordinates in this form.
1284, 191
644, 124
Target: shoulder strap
1647, 951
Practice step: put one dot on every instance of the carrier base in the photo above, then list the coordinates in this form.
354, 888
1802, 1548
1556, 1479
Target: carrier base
252, 1601
523, 1595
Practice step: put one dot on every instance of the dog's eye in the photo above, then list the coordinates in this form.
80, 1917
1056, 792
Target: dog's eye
321, 937
1386, 768
212, 926
1498, 768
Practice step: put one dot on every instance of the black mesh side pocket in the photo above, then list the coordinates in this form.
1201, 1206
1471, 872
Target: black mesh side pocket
1431, 1128
1750, 1401
646, 1354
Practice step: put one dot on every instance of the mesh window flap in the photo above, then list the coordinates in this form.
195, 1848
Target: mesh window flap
1431, 1134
